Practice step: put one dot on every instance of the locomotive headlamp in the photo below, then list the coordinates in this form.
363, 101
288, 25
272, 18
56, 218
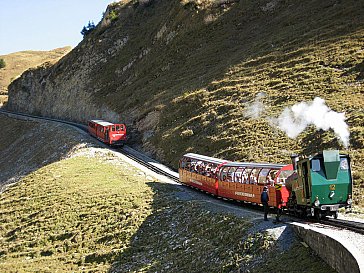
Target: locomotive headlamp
349, 201
317, 202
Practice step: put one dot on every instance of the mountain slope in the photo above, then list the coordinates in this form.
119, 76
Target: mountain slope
81, 208
185, 76
18, 62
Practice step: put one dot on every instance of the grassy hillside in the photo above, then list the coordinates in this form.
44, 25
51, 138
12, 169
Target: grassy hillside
26, 146
18, 62
80, 208
185, 75
99, 215
201, 67
8, 126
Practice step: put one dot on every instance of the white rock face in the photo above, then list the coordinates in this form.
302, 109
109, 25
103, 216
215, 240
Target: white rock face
58, 92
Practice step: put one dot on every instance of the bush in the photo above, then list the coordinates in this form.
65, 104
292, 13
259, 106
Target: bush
187, 133
2, 63
112, 15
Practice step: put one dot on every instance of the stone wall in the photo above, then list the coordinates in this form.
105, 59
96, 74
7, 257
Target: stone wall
339, 255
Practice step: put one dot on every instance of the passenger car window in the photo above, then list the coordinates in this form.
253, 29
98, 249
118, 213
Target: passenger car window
315, 165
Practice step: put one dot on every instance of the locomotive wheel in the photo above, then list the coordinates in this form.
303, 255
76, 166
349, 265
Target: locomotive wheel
303, 214
318, 215
296, 211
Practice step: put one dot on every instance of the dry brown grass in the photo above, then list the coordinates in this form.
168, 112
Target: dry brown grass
18, 62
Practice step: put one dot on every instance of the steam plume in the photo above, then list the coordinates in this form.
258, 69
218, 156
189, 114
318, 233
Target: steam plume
295, 119
255, 109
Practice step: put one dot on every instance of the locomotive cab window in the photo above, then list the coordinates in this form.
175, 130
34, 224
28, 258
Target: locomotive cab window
344, 165
113, 128
315, 165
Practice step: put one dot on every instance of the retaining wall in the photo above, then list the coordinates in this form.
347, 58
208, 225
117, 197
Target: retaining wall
337, 253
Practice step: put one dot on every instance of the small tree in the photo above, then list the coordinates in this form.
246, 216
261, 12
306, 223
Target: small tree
2, 63
87, 29
112, 16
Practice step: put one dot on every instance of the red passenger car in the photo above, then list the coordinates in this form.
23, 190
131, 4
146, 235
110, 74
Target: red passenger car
200, 171
109, 133
236, 180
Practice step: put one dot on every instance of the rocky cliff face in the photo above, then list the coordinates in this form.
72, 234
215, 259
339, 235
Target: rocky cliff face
81, 86
60, 90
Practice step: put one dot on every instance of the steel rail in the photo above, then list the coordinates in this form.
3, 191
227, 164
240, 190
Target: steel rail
144, 163
357, 227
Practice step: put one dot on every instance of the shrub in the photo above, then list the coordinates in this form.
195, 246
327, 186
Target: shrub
112, 16
2, 63
187, 133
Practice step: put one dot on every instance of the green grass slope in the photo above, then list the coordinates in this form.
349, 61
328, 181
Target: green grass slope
8, 127
87, 215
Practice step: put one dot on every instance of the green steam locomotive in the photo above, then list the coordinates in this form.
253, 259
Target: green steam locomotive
320, 184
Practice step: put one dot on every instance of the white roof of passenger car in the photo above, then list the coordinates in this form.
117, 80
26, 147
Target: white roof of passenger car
234, 164
102, 122
205, 158
254, 165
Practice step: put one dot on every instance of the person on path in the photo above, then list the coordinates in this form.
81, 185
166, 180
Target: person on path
264, 198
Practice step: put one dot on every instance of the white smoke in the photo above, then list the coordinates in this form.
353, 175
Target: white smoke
255, 109
295, 119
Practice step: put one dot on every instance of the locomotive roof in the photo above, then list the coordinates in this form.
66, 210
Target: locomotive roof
205, 158
102, 122
320, 155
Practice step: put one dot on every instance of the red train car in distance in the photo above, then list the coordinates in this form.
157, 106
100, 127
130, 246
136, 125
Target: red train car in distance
107, 132
236, 180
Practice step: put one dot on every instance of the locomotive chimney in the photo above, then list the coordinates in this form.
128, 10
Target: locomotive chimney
294, 159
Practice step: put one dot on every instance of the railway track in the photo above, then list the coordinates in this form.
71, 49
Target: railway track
148, 163
357, 227
162, 170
